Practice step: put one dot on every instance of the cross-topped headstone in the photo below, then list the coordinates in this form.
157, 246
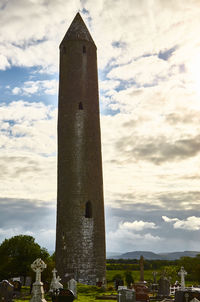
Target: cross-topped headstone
54, 271
55, 284
38, 266
38, 291
182, 273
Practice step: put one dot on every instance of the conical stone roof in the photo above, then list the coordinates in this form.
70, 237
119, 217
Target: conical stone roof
78, 31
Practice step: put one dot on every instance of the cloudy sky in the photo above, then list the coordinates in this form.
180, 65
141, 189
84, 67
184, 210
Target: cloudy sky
149, 80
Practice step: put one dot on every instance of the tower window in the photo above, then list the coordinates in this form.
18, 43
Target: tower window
80, 106
84, 49
88, 209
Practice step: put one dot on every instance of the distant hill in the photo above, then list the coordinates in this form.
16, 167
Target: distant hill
178, 255
153, 256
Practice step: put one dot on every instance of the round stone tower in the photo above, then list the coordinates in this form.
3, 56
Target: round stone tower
80, 234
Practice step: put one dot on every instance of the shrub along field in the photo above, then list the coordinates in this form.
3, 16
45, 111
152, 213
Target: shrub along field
136, 275
171, 269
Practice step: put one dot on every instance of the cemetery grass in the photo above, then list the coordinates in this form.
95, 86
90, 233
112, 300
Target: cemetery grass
89, 293
86, 293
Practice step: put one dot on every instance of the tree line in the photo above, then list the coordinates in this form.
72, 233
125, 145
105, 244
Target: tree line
123, 264
169, 267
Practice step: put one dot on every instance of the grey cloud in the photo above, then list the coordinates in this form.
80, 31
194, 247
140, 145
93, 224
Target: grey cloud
167, 53
20, 165
179, 200
23, 216
130, 123
119, 44
24, 170
31, 42
160, 201
192, 176
187, 118
182, 68
26, 214
158, 150
171, 239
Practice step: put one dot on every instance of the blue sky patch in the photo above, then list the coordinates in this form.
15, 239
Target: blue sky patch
16, 77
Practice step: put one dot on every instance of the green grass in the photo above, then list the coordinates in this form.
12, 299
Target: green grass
89, 293
86, 293
136, 275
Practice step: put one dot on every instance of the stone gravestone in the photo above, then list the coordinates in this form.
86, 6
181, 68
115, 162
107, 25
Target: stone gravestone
182, 273
55, 285
163, 287
126, 295
154, 285
37, 291
72, 285
28, 281
65, 295
6, 291
17, 288
141, 291
187, 295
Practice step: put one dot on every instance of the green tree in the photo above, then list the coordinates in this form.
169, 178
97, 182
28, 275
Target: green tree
172, 272
17, 254
117, 277
128, 278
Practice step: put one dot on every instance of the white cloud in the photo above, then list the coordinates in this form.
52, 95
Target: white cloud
191, 223
137, 225
16, 90
4, 64
38, 34
28, 144
127, 240
154, 67
146, 29
167, 219
108, 85
37, 87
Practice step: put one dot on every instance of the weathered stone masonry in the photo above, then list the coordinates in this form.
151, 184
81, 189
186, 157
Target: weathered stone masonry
80, 234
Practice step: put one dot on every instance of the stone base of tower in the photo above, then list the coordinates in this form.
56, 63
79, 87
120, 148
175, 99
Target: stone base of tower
80, 252
91, 279
84, 274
